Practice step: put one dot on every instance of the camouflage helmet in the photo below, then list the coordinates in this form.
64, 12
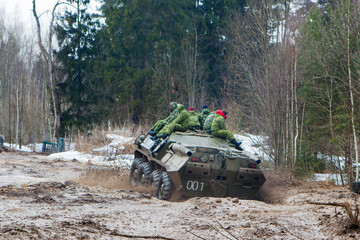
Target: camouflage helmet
180, 107
173, 105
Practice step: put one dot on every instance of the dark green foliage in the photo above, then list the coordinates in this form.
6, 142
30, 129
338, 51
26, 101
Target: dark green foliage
144, 36
148, 39
310, 163
216, 43
82, 87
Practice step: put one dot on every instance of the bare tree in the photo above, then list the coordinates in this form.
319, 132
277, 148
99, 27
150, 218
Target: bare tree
351, 94
262, 80
256, 82
194, 66
48, 57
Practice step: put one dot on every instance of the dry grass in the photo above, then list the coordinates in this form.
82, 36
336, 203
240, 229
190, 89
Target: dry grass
107, 177
129, 130
96, 138
330, 185
112, 178
129, 148
85, 142
352, 210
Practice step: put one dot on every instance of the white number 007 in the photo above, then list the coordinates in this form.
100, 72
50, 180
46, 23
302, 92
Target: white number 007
194, 185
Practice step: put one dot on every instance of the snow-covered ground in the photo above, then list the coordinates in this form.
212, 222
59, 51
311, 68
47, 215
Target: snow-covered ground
27, 148
254, 144
106, 155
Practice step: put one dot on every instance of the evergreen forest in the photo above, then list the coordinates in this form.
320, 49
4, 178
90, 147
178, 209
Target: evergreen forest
288, 70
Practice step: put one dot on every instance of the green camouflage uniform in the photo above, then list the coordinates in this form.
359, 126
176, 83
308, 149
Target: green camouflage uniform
208, 121
162, 123
202, 116
193, 121
218, 128
179, 124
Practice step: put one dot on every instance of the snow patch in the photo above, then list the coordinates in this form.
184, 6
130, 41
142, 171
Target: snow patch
323, 177
17, 147
123, 160
108, 154
254, 144
115, 146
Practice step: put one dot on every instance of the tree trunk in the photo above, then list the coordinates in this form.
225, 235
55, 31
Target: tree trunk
351, 96
17, 117
296, 107
340, 171
48, 57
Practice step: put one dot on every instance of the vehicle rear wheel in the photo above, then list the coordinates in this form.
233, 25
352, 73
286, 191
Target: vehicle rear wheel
134, 172
144, 173
155, 178
165, 188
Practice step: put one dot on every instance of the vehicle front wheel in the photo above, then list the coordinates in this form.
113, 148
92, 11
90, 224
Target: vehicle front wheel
144, 173
134, 172
165, 187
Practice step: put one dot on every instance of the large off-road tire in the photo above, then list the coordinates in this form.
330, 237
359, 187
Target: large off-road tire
134, 172
144, 173
165, 188
155, 178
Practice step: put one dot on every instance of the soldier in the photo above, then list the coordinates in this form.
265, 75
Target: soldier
218, 128
203, 115
208, 121
162, 123
180, 123
193, 120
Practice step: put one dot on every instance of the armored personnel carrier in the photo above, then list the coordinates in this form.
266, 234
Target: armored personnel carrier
195, 164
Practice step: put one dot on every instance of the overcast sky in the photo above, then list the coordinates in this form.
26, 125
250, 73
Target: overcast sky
21, 10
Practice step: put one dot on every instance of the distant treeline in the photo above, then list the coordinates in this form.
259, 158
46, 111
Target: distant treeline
286, 69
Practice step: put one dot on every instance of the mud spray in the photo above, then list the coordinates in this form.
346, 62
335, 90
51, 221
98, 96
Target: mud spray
112, 178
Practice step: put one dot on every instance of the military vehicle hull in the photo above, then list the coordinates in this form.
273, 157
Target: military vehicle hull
195, 164
355, 187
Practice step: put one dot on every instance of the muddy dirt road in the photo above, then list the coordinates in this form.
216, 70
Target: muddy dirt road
43, 199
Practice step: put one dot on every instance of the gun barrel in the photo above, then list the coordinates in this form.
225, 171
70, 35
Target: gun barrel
181, 149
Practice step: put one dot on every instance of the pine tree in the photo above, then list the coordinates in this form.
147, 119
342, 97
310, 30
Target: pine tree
84, 92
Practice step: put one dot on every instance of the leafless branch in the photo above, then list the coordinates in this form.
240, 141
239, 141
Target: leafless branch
327, 203
195, 235
115, 233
